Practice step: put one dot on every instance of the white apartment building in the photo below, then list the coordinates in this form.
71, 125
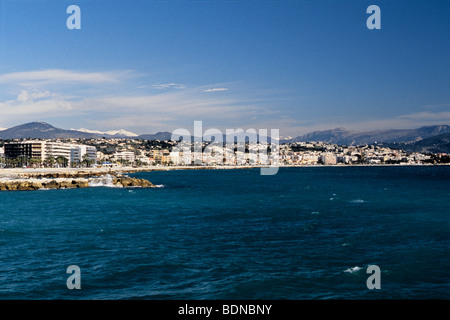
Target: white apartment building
125, 156
89, 151
72, 152
57, 149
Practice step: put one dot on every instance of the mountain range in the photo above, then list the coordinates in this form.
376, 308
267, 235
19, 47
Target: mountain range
434, 144
343, 136
43, 130
428, 138
117, 133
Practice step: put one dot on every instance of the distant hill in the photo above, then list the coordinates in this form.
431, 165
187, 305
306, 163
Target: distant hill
156, 136
342, 136
329, 136
435, 144
111, 133
424, 139
41, 130
234, 137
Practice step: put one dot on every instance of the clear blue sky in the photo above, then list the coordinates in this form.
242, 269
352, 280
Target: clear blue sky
148, 66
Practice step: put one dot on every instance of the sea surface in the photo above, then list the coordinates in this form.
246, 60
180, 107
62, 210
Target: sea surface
304, 233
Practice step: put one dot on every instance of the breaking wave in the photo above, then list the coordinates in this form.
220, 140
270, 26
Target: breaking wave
353, 270
102, 181
357, 201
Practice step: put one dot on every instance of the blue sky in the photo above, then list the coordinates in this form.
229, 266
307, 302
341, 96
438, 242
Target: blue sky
297, 66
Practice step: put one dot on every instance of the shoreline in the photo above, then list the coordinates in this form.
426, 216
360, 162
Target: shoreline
24, 179
21, 173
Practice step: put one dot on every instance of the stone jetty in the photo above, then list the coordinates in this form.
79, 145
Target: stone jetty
25, 181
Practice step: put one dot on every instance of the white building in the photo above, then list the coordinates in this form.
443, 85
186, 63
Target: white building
125, 156
46, 150
72, 152
57, 149
89, 151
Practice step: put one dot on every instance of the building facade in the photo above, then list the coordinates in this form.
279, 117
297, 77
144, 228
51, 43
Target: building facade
49, 151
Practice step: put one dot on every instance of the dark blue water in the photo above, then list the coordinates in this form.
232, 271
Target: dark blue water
234, 234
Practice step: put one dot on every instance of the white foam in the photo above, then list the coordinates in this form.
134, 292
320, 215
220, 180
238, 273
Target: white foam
102, 181
353, 270
159, 186
357, 201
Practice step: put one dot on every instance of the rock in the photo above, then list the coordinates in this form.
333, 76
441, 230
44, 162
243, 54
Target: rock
23, 186
69, 180
38, 185
82, 183
52, 184
126, 182
146, 184
12, 185
131, 182
66, 184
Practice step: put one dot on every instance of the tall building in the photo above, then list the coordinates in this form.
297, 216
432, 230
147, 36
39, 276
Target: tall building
45, 150
58, 149
29, 149
328, 158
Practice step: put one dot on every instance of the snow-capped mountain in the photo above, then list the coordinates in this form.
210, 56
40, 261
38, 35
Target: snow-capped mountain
121, 132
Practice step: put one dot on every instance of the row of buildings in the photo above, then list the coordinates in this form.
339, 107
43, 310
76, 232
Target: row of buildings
49, 151
300, 153
166, 153
310, 153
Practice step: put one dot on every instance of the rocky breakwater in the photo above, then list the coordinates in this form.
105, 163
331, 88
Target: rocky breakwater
73, 182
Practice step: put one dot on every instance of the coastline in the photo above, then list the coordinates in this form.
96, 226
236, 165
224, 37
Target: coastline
26, 179
23, 173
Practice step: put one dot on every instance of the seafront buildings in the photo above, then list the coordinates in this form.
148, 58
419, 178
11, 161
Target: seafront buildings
88, 152
39, 152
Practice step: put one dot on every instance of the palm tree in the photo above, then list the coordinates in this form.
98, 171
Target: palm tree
87, 161
62, 161
23, 161
34, 161
50, 161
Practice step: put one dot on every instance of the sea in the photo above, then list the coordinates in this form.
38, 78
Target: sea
304, 233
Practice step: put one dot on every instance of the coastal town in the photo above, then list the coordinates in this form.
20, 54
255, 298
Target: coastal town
83, 153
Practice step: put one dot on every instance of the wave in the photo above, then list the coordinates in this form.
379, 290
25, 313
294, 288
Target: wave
353, 270
159, 186
102, 181
357, 201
